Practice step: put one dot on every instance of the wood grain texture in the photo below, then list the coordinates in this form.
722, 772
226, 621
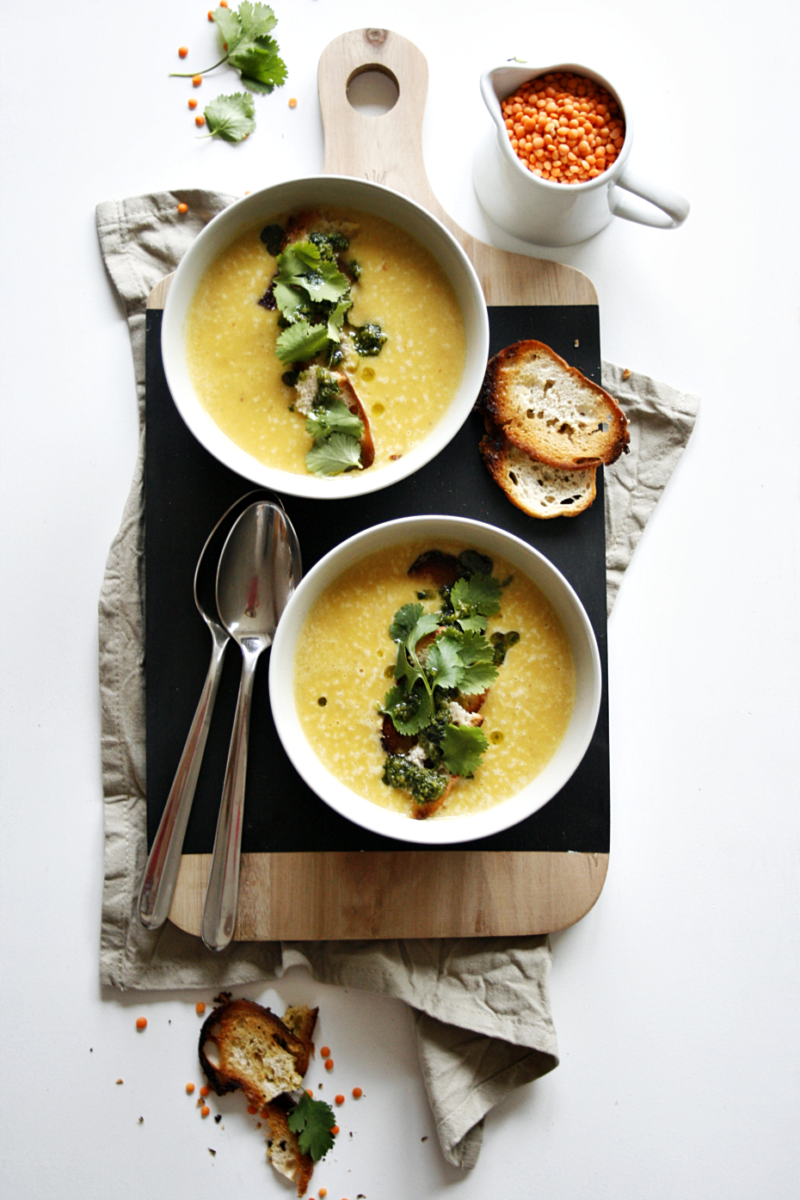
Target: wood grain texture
388, 149
376, 894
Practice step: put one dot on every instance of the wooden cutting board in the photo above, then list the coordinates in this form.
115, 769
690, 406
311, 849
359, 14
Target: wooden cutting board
340, 894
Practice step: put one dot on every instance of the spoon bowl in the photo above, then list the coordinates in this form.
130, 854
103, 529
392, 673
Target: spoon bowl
259, 569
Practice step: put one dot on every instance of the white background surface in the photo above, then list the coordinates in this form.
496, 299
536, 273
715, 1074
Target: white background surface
676, 998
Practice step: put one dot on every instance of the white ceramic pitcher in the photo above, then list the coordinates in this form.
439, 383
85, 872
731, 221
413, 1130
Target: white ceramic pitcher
557, 214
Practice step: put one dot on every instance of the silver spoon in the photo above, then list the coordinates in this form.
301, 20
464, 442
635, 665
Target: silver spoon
258, 571
161, 871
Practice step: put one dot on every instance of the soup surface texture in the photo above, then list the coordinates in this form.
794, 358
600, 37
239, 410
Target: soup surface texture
344, 667
405, 390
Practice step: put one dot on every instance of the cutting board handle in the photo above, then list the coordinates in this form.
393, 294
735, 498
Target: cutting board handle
386, 148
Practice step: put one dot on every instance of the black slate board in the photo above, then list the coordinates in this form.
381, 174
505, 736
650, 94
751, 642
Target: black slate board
186, 493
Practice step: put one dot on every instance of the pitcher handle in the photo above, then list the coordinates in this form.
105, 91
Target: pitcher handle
673, 208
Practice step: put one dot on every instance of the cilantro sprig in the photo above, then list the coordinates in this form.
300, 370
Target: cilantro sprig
312, 1122
246, 37
442, 656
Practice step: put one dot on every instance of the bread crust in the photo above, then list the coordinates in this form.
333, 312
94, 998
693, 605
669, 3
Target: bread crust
536, 488
550, 410
283, 1148
235, 1021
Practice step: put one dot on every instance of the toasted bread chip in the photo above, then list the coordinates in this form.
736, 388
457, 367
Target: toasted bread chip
549, 410
255, 1050
537, 488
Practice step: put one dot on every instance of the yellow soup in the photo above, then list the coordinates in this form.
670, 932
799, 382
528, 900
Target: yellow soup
344, 667
405, 390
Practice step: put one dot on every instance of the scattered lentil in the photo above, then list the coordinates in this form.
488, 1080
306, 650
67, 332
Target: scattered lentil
563, 127
199, 1008
199, 122
183, 51
205, 1090
183, 208
197, 80
357, 1093
192, 103
141, 1023
189, 1089
325, 1051
328, 1064
292, 103
205, 1110
334, 1130
339, 1099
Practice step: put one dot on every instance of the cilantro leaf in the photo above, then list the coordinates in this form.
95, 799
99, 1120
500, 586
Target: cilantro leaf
250, 49
231, 117
287, 298
335, 454
411, 708
301, 341
477, 594
404, 621
463, 747
255, 20
312, 1122
325, 283
443, 663
478, 671
336, 418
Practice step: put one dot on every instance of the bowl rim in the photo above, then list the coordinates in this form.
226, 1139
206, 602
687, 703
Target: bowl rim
416, 220
505, 814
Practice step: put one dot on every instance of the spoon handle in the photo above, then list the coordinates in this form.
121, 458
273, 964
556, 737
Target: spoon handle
161, 872
222, 896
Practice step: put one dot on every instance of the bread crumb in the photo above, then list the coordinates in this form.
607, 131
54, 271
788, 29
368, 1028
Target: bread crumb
119, 1081
626, 374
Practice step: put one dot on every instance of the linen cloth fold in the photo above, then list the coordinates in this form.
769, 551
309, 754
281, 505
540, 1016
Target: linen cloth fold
482, 1006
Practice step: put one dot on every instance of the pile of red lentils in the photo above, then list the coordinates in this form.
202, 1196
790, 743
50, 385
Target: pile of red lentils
564, 127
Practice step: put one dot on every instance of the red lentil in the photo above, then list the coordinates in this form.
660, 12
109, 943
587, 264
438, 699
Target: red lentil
292, 103
183, 51
189, 1089
564, 127
197, 80
141, 1023
334, 1130
193, 104
325, 1051
205, 1110
357, 1093
339, 1099
199, 1008
183, 208
199, 122
205, 1090
328, 1064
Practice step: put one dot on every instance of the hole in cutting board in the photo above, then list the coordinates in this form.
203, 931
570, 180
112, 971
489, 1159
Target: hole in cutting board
372, 91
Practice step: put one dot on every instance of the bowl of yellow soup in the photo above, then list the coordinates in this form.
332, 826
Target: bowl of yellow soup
511, 693
252, 389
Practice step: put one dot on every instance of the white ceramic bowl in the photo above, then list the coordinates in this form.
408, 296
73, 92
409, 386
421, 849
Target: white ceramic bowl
360, 195
494, 542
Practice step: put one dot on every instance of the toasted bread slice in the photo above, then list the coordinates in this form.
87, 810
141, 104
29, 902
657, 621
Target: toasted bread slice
255, 1050
551, 411
537, 488
283, 1149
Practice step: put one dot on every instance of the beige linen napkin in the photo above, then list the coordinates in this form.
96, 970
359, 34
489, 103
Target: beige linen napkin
482, 1006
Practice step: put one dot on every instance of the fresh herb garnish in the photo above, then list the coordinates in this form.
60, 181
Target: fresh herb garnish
249, 47
231, 117
368, 339
312, 1122
443, 659
337, 453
